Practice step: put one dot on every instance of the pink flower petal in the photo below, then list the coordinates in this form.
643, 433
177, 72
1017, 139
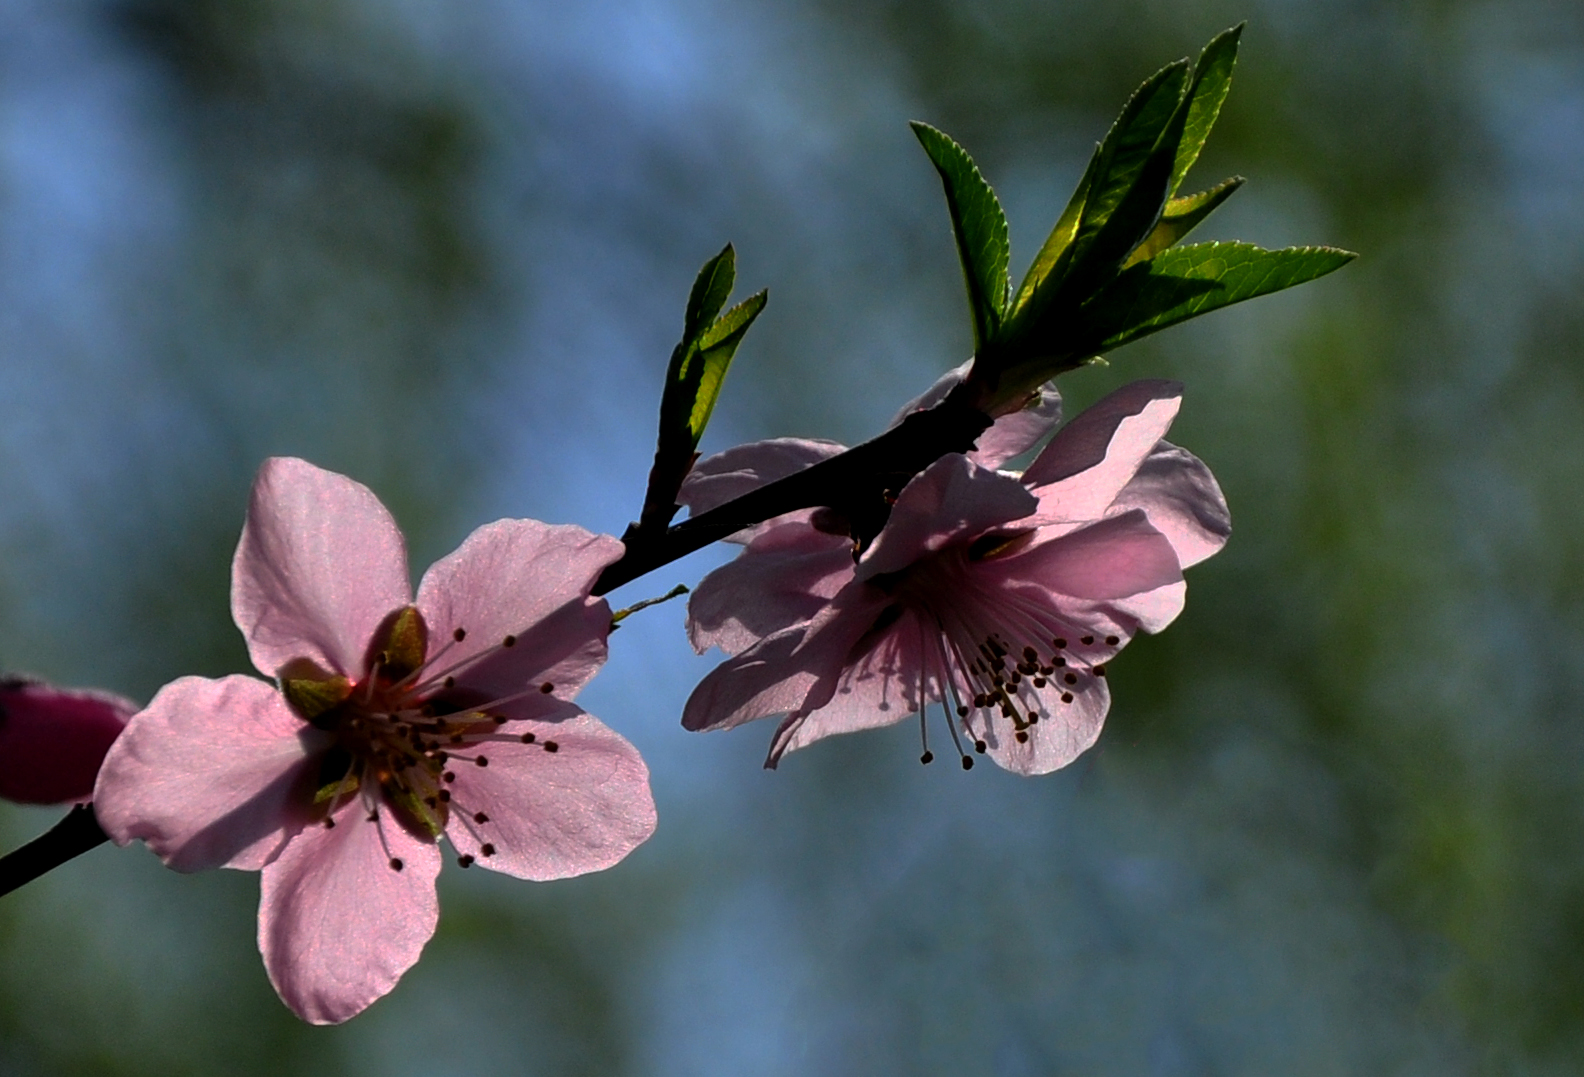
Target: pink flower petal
1094, 456
1117, 557
1150, 610
879, 687
320, 565
1010, 434
795, 669
52, 740
785, 576
1183, 501
1064, 732
950, 499
211, 774
337, 924
529, 580
553, 814
728, 475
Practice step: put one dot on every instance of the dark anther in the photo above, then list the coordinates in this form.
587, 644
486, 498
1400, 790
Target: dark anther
1059, 642
459, 635
967, 762
480, 817
527, 738
465, 861
1099, 671
329, 824
1087, 640
500, 719
487, 849
509, 641
962, 711
927, 758
1066, 697
482, 761
449, 682
1039, 682
444, 795
1033, 717
1071, 678
448, 776
1030, 654
980, 746
1112, 641
547, 688
396, 864
1022, 736
551, 746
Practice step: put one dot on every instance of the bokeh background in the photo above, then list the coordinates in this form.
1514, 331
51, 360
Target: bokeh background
1335, 824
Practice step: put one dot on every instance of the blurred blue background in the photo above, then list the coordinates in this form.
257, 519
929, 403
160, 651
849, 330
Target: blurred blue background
1336, 821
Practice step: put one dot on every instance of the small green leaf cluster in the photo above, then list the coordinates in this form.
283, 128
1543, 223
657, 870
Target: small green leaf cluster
1110, 271
693, 381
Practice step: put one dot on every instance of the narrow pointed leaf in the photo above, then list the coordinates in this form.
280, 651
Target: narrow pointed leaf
1060, 238
710, 290
715, 352
1181, 216
1129, 145
1116, 204
979, 226
1212, 79
1185, 282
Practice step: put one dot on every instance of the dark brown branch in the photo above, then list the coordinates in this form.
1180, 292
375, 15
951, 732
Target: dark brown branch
72, 836
859, 484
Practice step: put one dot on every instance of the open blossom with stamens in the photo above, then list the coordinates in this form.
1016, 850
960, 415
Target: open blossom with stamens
52, 740
393, 721
1000, 597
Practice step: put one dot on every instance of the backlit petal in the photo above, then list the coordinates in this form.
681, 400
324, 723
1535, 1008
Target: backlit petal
949, 501
320, 565
529, 580
1086, 465
774, 584
337, 924
553, 814
211, 774
1183, 501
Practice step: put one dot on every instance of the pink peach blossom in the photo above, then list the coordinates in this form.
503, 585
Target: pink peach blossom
1001, 597
393, 721
52, 740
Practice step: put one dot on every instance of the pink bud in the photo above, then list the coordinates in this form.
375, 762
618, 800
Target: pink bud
52, 740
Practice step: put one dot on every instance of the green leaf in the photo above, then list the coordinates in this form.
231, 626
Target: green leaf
710, 289
1181, 216
715, 351
1129, 146
1116, 203
1060, 238
1185, 282
979, 226
1212, 79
